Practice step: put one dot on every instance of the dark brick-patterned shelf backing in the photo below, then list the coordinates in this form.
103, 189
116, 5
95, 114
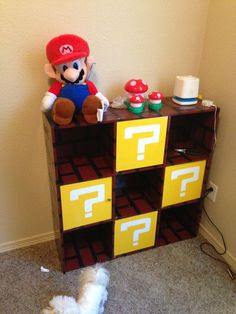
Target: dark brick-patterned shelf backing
192, 132
88, 246
179, 223
83, 154
138, 193
83, 168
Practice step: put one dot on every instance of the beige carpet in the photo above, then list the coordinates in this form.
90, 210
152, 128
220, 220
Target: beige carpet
174, 279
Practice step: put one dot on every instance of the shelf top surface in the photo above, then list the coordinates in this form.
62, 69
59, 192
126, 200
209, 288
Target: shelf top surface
114, 115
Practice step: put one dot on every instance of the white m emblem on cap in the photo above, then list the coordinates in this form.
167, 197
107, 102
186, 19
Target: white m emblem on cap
65, 49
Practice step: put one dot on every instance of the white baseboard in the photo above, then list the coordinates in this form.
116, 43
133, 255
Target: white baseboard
24, 242
44, 237
229, 258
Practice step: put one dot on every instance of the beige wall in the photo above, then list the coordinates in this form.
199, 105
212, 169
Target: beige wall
153, 39
218, 82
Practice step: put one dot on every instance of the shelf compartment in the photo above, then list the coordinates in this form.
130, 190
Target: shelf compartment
83, 168
190, 153
90, 148
193, 132
87, 246
178, 223
138, 193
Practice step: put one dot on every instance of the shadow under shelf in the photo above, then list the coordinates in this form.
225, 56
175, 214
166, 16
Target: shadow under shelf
184, 152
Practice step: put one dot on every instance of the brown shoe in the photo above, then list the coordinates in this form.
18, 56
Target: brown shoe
63, 111
90, 108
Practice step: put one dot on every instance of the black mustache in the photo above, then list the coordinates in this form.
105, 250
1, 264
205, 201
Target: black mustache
80, 77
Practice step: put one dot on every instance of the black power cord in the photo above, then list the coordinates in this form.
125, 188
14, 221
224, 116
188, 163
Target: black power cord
207, 244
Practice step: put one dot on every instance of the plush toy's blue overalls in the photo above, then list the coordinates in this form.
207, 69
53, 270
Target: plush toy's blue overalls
76, 93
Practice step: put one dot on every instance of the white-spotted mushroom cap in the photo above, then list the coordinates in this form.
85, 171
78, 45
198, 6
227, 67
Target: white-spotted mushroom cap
136, 99
155, 95
136, 86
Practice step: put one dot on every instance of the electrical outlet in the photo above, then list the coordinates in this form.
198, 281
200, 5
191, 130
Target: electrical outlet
212, 195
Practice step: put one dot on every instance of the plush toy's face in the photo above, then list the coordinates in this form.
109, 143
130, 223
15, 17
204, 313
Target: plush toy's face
74, 72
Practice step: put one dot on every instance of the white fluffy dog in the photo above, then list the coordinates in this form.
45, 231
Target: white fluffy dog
92, 295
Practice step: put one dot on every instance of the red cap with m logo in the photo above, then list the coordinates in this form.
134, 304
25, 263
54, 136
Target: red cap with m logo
66, 48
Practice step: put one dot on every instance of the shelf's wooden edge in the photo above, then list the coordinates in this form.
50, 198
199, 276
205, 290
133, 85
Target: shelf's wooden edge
115, 115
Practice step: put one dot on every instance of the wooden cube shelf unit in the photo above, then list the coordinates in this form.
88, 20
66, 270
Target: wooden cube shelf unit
132, 182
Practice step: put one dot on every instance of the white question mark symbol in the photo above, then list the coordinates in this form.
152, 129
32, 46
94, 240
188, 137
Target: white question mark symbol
146, 228
142, 142
88, 204
175, 174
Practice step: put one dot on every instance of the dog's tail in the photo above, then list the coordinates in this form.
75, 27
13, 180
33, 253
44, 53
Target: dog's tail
97, 275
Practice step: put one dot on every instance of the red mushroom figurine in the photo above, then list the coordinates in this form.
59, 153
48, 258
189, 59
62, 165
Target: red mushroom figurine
136, 86
136, 101
155, 97
155, 100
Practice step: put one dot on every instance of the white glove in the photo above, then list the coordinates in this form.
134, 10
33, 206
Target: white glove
48, 101
104, 100
100, 115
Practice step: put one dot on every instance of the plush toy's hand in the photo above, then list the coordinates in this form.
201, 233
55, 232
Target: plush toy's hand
104, 100
48, 101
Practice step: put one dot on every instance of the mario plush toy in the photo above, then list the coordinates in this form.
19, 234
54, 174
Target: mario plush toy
69, 64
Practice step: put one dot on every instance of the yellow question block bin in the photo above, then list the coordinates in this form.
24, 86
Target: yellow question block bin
140, 143
86, 202
135, 233
183, 182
